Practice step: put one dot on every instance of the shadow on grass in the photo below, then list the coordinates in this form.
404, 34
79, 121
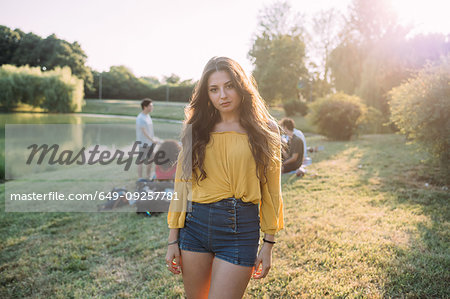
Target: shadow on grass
389, 166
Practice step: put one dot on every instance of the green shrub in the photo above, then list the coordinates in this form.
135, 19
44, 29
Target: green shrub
294, 107
62, 92
420, 108
7, 94
2, 165
337, 116
56, 90
374, 122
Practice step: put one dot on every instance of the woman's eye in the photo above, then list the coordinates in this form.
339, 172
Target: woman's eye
213, 90
230, 86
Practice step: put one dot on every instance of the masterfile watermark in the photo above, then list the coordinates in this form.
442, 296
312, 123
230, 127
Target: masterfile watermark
69, 157
91, 167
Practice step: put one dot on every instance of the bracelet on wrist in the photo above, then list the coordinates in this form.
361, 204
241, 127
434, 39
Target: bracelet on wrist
270, 242
173, 242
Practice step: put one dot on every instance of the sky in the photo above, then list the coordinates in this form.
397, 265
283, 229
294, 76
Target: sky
158, 38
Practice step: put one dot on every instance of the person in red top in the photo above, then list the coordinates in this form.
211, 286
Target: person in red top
166, 171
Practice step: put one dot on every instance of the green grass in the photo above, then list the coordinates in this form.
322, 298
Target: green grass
361, 223
301, 122
167, 110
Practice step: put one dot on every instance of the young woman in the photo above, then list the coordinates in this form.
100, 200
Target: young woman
233, 161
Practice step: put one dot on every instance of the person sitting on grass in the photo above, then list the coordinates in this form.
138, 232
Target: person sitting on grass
166, 171
163, 182
293, 157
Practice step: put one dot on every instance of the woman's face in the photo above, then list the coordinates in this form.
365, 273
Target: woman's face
222, 93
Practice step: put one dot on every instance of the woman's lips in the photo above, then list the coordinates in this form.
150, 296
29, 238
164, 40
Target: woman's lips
225, 104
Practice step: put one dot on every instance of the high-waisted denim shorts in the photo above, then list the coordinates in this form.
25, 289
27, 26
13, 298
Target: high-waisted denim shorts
228, 228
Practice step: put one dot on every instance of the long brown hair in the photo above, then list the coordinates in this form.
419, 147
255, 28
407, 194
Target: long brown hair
201, 117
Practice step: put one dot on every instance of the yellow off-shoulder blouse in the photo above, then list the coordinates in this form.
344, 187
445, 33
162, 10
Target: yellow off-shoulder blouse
231, 172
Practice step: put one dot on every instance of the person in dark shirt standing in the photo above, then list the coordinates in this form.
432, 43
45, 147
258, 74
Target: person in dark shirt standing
293, 157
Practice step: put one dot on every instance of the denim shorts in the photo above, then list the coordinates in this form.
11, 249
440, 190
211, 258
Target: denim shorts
228, 228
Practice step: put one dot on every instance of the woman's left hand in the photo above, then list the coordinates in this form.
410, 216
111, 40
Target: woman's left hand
264, 258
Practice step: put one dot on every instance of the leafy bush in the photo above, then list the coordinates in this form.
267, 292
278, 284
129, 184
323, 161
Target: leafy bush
56, 90
374, 122
62, 92
420, 108
7, 94
337, 116
2, 165
295, 106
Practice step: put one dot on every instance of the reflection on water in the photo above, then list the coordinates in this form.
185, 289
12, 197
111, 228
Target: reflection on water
71, 132
44, 147
53, 118
163, 129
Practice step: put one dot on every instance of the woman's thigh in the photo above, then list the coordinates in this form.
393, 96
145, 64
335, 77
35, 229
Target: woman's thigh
196, 269
228, 280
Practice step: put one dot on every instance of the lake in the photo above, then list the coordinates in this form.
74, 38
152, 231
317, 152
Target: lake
69, 131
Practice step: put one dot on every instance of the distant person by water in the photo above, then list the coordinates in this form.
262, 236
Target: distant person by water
145, 135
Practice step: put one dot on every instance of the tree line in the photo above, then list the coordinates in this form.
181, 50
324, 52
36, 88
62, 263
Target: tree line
358, 71
365, 52
19, 48
120, 83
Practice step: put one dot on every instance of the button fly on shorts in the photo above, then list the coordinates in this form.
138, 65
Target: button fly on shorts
233, 223
232, 218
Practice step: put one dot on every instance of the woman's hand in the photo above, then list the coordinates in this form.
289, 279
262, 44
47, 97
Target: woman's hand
264, 258
173, 259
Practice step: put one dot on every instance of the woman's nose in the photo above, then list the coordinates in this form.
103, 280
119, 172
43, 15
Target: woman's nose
222, 93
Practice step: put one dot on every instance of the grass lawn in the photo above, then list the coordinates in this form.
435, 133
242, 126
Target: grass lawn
361, 223
168, 110
165, 110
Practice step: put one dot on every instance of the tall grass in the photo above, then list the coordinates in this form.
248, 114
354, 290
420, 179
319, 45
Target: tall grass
55, 91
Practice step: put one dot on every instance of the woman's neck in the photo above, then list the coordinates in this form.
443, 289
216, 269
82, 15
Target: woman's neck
229, 118
229, 123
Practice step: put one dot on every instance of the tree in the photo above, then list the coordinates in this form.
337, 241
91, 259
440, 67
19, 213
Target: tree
57, 52
421, 110
152, 80
19, 48
172, 79
28, 51
369, 21
346, 65
324, 38
278, 53
119, 82
422, 48
9, 42
368, 61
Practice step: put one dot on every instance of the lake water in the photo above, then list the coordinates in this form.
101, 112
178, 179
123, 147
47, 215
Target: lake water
70, 132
